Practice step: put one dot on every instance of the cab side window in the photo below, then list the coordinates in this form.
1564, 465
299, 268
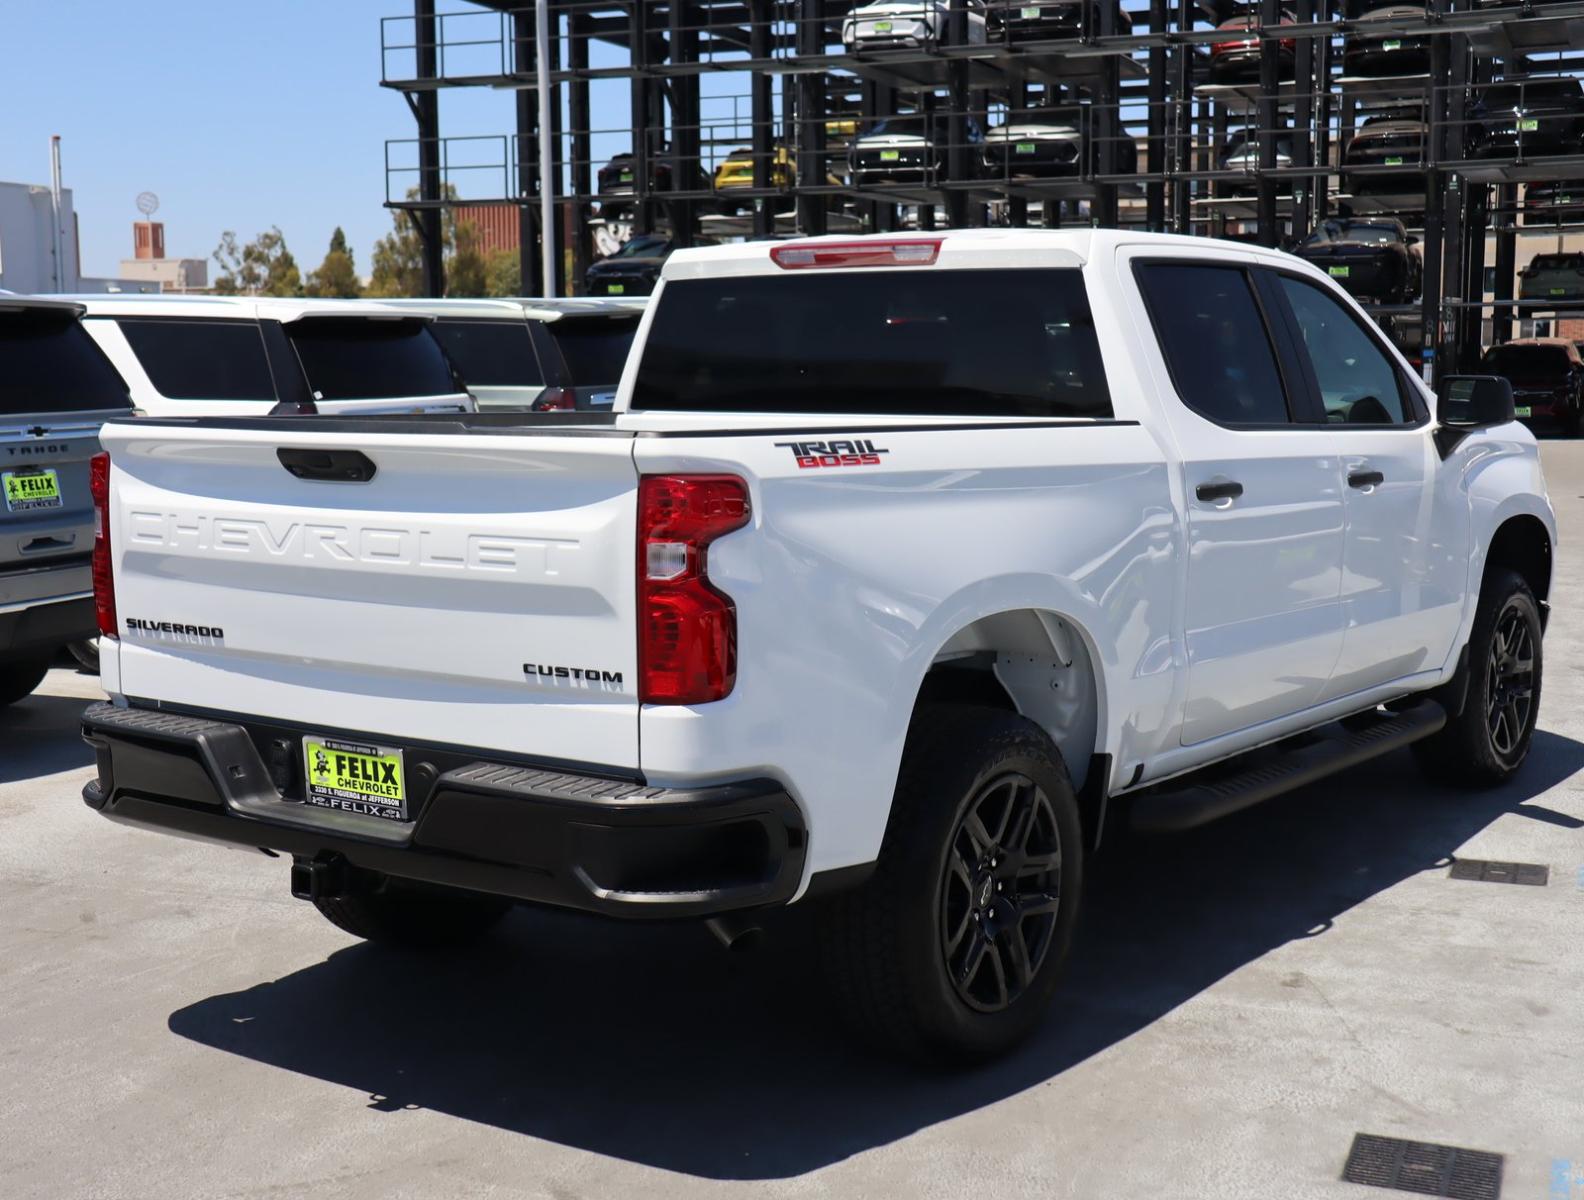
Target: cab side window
1213, 336
1358, 381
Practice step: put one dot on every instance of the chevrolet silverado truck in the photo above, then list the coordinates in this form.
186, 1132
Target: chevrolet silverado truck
56, 390
904, 568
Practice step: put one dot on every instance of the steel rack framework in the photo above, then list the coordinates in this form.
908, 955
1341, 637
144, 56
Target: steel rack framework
763, 118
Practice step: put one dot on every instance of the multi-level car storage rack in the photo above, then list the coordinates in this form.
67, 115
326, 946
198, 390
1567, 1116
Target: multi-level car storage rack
775, 78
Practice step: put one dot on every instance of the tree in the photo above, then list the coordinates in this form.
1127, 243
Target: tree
263, 267
465, 272
503, 274
336, 277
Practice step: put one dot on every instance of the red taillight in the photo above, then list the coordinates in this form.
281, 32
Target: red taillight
687, 630
556, 399
103, 578
909, 252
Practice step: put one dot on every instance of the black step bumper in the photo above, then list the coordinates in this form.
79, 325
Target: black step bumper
550, 836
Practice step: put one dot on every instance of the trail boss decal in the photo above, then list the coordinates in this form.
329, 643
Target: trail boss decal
835, 454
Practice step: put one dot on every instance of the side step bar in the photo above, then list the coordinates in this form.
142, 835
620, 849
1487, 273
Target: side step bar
1195, 800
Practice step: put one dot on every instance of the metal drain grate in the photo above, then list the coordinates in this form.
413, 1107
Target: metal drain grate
1423, 1168
1500, 872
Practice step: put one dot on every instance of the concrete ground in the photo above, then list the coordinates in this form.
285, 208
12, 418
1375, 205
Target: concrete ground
1243, 1001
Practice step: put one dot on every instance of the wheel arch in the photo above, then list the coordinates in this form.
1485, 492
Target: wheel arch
1523, 544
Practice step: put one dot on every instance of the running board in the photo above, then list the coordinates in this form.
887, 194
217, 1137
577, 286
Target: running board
1195, 800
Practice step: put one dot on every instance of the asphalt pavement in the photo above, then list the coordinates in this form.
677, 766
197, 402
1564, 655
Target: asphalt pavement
1244, 1000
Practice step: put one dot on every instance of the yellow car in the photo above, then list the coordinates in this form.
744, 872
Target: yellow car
736, 173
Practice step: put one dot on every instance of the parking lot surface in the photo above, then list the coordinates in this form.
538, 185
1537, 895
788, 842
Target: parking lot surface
1243, 1001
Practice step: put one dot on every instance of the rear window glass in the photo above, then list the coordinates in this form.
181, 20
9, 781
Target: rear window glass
1528, 360
355, 358
49, 364
594, 350
1214, 341
992, 343
201, 360
491, 353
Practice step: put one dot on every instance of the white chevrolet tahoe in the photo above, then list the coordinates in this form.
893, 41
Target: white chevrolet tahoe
903, 569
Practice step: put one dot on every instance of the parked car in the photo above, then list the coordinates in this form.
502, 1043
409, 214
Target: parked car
1387, 154
536, 355
908, 24
199, 356
904, 561
1389, 52
616, 186
56, 389
735, 177
1547, 377
1528, 116
1372, 258
910, 149
1552, 277
631, 271
1241, 153
1040, 20
1558, 202
1237, 59
1049, 143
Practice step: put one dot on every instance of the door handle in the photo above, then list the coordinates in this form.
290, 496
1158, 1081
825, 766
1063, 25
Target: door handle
1364, 479
1226, 490
329, 466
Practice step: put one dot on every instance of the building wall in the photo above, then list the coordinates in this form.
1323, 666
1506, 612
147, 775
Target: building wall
27, 251
172, 274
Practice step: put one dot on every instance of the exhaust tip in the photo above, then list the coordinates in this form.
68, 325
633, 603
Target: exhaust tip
737, 934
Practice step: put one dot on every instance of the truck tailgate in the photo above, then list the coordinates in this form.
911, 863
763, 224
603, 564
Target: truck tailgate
423, 604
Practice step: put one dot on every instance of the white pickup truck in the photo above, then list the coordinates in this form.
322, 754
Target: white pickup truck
904, 567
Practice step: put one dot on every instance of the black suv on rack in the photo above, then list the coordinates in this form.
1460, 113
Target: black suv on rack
1547, 377
1033, 20
1521, 117
1396, 139
1390, 51
1558, 202
1373, 259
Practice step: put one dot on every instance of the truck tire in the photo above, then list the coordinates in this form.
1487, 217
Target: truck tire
1486, 743
952, 948
400, 914
18, 679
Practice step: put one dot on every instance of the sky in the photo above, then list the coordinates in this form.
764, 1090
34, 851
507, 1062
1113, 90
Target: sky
239, 115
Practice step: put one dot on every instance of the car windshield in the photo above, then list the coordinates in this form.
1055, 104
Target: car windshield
1527, 363
644, 247
882, 341
49, 364
594, 348
1369, 233
913, 124
355, 358
1540, 91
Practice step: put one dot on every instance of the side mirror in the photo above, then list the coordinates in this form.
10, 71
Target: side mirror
1476, 401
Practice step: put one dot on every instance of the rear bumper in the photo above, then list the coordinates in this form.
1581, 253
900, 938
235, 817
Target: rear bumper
582, 841
46, 626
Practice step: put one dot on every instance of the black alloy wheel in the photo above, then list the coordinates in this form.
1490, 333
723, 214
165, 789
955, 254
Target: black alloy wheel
1509, 687
1000, 893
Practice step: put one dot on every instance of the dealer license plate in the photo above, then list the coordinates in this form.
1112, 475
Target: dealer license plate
882, 26
356, 778
1031, 12
26, 491
615, 289
1528, 124
1025, 147
626, 177
1521, 410
890, 155
1559, 291
1394, 160
1339, 272
1391, 45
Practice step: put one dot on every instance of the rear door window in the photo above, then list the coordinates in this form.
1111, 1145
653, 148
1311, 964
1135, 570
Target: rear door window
1213, 337
201, 360
359, 358
984, 343
491, 353
593, 348
49, 364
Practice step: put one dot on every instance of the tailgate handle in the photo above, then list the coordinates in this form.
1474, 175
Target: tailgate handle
327, 466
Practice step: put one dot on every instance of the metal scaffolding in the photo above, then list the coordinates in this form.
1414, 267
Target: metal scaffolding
756, 118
